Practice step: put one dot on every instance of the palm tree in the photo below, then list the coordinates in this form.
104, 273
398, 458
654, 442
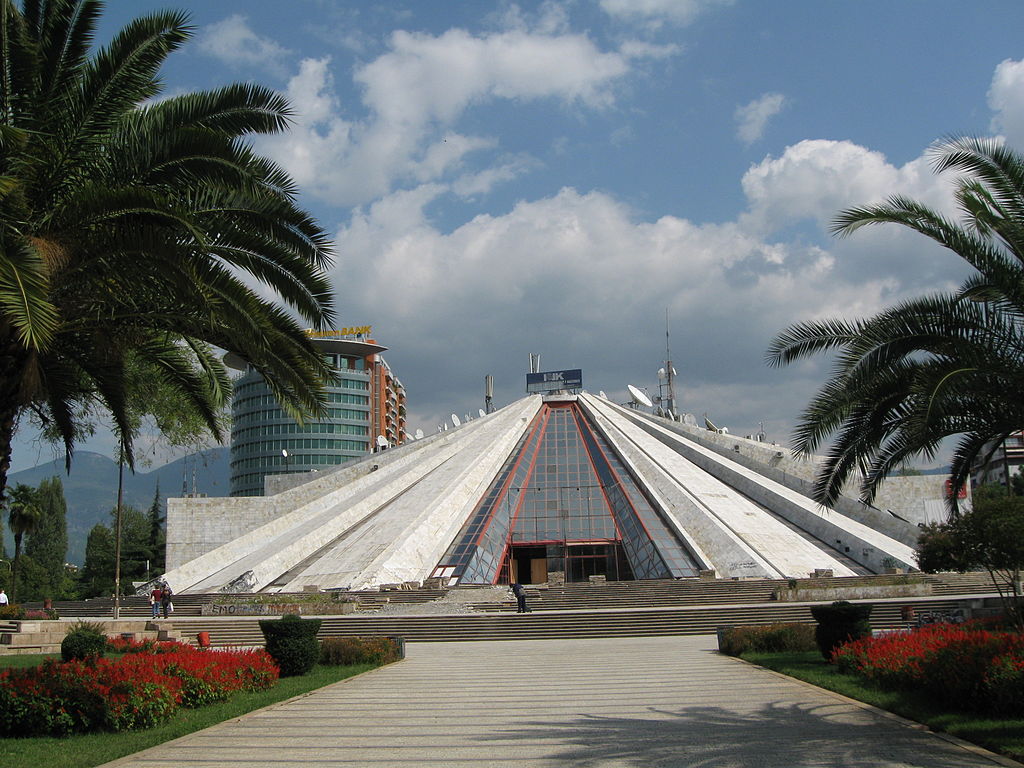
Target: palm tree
23, 517
133, 227
946, 364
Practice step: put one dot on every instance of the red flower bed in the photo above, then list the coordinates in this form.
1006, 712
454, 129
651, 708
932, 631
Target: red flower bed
136, 691
957, 664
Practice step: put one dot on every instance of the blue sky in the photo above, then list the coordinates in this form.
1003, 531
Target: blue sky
508, 178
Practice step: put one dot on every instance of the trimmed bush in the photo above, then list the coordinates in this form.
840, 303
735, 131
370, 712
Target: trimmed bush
45, 614
135, 691
345, 651
10, 612
770, 638
84, 641
291, 642
958, 665
839, 623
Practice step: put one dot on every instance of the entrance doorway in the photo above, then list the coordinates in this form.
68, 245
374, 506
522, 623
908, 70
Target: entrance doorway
529, 564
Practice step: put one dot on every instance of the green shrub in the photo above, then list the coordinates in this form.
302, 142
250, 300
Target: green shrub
83, 641
12, 612
345, 651
771, 638
44, 614
291, 642
839, 623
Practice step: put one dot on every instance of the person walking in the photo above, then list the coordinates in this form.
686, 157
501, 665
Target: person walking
155, 597
3, 597
165, 599
520, 592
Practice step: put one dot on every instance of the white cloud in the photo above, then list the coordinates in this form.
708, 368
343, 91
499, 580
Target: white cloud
472, 185
752, 118
424, 78
1006, 98
576, 274
816, 178
234, 42
418, 90
655, 13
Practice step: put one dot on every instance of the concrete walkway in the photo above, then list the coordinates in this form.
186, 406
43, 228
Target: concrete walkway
663, 701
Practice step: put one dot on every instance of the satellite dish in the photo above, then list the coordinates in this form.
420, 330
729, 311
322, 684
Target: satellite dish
382, 442
456, 421
466, 417
661, 373
639, 397
408, 437
419, 434
689, 418
481, 412
602, 394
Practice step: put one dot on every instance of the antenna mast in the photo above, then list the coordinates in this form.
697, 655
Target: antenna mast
488, 394
670, 377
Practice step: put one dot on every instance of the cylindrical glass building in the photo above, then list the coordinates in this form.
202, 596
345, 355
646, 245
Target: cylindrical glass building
367, 401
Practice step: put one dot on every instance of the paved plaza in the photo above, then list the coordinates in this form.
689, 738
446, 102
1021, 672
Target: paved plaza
662, 701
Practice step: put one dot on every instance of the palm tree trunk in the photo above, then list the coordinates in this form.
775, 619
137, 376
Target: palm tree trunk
117, 535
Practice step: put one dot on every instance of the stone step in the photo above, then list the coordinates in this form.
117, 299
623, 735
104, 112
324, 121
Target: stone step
622, 623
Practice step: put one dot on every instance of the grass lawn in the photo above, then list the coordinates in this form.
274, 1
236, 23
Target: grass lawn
97, 748
1005, 736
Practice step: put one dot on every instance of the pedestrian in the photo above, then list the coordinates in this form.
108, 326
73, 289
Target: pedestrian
3, 597
165, 600
154, 599
520, 592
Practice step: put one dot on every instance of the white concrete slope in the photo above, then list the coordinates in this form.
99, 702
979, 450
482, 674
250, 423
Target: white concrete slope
729, 524
681, 495
739, 497
410, 533
256, 559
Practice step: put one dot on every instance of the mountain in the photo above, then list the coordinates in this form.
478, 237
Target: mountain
91, 488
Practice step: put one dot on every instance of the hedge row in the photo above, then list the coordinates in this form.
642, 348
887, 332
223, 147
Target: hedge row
138, 690
769, 638
959, 665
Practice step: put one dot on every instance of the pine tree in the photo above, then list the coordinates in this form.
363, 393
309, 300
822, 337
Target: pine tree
135, 551
157, 534
98, 571
47, 545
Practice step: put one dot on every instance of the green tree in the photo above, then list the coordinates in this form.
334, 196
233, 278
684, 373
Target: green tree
990, 537
22, 517
47, 545
133, 230
157, 534
947, 364
97, 574
135, 546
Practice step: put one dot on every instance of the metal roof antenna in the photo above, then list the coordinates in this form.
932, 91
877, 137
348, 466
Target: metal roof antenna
667, 380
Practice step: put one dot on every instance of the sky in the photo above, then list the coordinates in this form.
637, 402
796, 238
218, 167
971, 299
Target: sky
560, 178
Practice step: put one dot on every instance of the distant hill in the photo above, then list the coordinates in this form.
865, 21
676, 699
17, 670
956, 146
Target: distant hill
91, 488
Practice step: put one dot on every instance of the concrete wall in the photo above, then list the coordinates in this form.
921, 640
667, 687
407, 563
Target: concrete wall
196, 526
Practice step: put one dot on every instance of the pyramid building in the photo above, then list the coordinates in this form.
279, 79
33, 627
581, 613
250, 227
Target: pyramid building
551, 487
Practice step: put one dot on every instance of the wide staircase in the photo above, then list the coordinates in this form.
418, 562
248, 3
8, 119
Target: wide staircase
614, 609
608, 609
690, 592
